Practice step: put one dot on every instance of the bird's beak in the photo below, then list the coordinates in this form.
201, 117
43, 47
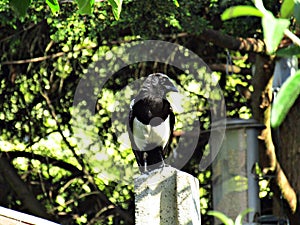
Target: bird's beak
171, 88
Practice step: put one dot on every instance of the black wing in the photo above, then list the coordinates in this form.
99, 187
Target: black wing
143, 113
167, 148
137, 153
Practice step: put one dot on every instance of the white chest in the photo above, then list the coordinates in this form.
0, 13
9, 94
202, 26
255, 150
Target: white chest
147, 135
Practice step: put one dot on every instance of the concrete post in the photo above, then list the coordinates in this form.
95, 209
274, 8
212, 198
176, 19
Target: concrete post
167, 196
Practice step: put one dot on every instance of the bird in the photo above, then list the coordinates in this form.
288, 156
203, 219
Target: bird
151, 122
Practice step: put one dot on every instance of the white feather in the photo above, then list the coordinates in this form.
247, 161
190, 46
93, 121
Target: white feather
151, 135
131, 104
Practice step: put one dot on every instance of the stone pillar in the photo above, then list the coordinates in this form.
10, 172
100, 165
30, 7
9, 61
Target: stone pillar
167, 196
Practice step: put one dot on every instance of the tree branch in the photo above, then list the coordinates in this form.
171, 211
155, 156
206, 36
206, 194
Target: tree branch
15, 182
59, 163
230, 68
43, 58
88, 176
54, 116
261, 106
43, 159
216, 37
292, 36
237, 44
37, 59
286, 189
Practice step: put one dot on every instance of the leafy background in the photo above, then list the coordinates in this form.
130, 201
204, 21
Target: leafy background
47, 47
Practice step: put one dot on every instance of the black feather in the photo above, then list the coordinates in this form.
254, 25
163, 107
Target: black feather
151, 108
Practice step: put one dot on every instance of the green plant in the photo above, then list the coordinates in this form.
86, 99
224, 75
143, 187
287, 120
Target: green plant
285, 99
84, 7
274, 29
228, 221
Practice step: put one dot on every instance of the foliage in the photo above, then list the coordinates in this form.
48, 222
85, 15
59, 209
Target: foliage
226, 220
116, 7
84, 7
46, 52
44, 56
285, 99
274, 30
273, 27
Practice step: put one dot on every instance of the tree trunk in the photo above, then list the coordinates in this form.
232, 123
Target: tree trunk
284, 170
288, 154
280, 162
25, 195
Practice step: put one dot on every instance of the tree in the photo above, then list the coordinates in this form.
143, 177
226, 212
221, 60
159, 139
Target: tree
276, 151
46, 51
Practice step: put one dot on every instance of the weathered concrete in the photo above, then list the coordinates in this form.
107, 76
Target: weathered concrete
167, 196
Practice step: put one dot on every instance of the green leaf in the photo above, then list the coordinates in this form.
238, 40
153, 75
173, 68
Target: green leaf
241, 10
54, 5
60, 200
297, 11
239, 218
85, 7
285, 99
273, 31
287, 8
116, 7
289, 51
176, 3
20, 7
222, 217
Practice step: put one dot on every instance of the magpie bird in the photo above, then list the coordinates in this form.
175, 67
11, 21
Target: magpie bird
151, 122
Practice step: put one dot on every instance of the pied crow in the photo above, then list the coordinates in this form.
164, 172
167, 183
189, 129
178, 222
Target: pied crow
151, 122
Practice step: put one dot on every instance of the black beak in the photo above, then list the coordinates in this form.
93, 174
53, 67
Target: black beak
171, 88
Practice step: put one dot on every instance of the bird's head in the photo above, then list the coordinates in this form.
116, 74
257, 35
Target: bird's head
158, 85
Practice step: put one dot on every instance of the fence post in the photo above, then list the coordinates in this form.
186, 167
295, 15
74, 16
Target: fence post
167, 196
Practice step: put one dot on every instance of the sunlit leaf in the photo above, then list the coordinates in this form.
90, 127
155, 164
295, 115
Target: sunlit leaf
273, 31
116, 7
287, 8
285, 99
239, 218
176, 3
20, 7
54, 5
222, 217
85, 7
60, 200
241, 10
